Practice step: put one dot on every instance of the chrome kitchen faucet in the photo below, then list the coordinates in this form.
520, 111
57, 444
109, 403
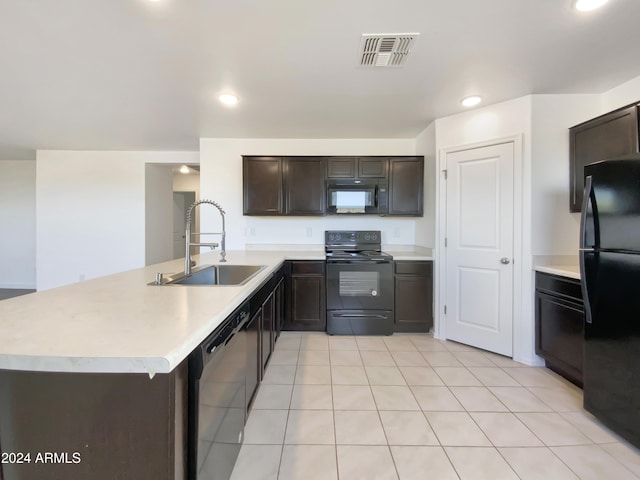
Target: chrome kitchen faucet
188, 263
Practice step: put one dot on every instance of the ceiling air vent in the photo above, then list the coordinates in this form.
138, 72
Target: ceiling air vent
386, 50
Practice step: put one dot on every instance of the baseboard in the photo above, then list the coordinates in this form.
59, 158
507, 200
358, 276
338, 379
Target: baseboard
19, 286
530, 361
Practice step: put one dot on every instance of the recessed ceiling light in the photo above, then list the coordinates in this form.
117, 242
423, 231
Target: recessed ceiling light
471, 101
184, 169
228, 99
588, 5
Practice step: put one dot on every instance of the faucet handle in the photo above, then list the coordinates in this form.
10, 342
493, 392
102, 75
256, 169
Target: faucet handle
159, 279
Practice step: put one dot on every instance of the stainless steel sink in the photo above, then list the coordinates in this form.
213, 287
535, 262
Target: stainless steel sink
214, 275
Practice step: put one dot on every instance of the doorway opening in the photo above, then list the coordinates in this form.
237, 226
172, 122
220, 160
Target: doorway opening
169, 191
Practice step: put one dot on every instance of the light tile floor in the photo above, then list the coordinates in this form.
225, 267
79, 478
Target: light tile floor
411, 407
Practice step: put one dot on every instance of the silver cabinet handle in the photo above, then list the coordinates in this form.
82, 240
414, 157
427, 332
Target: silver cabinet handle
505, 261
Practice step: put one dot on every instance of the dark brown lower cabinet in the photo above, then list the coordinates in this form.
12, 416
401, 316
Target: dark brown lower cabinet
307, 302
413, 283
280, 308
267, 330
560, 325
100, 426
268, 311
254, 360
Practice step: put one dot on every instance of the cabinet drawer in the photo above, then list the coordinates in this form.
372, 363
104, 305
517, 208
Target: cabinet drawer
307, 267
560, 286
408, 267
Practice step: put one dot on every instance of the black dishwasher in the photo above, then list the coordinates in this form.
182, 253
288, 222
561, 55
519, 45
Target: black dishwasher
217, 403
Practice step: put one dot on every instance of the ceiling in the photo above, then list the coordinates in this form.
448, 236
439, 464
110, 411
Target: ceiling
142, 75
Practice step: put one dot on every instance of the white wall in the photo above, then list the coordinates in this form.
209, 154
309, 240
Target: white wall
481, 125
158, 213
91, 212
426, 226
554, 229
221, 174
625, 94
186, 183
18, 224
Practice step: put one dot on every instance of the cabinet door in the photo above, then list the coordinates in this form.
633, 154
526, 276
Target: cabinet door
304, 186
268, 316
262, 185
406, 186
253, 374
413, 297
373, 167
341, 167
307, 302
279, 310
559, 334
608, 136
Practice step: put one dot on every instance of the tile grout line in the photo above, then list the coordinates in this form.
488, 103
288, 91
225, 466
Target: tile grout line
333, 415
286, 425
551, 388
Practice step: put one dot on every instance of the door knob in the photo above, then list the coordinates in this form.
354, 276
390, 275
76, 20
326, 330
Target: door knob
505, 261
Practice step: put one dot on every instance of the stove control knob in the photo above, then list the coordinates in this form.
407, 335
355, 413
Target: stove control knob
374, 293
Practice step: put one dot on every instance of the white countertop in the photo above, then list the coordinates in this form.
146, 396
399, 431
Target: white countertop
570, 271
118, 323
416, 256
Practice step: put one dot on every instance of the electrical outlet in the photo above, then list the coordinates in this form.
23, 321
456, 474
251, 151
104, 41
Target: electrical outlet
309, 232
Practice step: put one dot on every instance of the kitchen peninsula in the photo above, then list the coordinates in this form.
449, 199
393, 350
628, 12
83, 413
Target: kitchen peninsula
96, 371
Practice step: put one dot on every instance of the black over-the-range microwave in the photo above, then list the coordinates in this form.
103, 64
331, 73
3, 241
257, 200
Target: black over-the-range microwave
358, 196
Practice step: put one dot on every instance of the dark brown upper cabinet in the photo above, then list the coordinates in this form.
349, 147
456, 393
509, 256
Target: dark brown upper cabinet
262, 185
373, 167
342, 167
304, 189
610, 135
357, 167
406, 186
296, 185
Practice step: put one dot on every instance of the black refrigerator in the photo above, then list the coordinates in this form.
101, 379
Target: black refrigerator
610, 272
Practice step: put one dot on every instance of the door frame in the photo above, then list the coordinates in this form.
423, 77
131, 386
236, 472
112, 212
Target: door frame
196, 216
522, 260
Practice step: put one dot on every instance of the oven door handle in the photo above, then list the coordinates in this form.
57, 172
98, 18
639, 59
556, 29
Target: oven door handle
357, 262
358, 315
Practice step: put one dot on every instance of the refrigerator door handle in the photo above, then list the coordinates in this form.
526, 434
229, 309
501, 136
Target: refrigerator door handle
588, 192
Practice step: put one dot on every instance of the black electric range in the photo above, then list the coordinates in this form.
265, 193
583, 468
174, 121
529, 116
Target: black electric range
360, 294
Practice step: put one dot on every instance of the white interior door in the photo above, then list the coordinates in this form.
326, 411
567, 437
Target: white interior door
479, 247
